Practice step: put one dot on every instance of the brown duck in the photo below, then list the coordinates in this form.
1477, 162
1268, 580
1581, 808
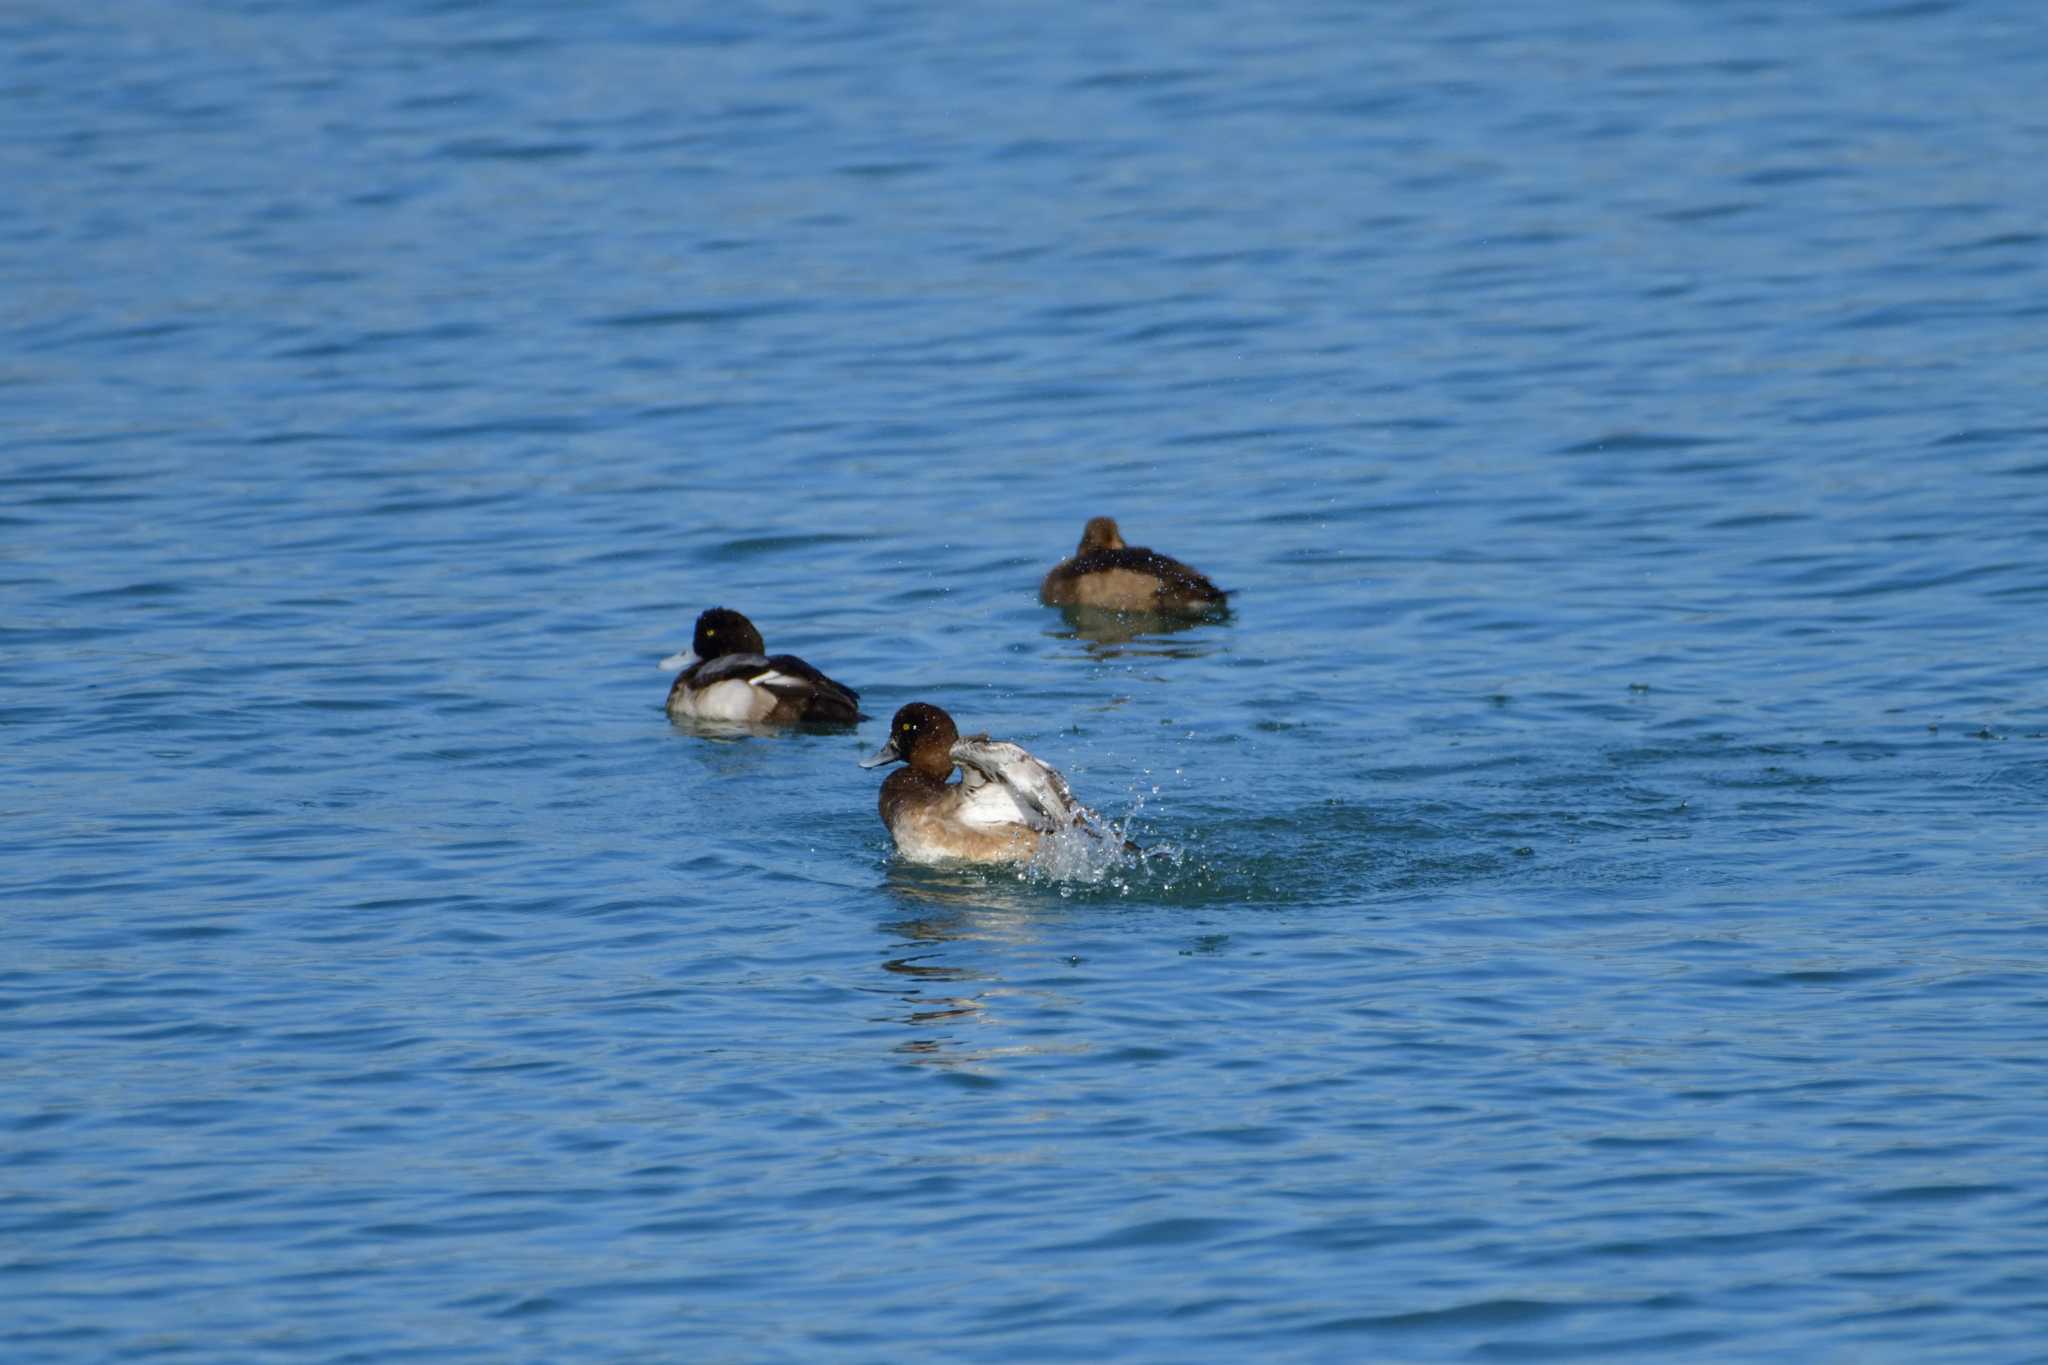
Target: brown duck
1107, 574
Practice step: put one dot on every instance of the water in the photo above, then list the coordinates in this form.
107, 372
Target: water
1601, 888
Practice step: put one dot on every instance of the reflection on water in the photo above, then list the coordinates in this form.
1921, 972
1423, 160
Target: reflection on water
1105, 634
953, 906
928, 1009
729, 731
923, 971
962, 900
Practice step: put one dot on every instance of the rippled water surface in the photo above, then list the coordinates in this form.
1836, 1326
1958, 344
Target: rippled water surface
1599, 890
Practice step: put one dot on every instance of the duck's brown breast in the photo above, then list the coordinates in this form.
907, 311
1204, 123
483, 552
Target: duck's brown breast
926, 835
924, 818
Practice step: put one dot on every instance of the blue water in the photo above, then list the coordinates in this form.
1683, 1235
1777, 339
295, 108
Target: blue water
1601, 899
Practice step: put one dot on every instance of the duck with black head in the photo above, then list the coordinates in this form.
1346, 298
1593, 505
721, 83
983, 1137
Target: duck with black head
728, 675
1109, 575
1004, 805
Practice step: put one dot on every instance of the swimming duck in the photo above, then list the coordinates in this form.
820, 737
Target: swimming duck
1104, 572
729, 675
1005, 802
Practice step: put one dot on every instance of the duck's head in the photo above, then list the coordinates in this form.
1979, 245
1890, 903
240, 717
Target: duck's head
1100, 534
724, 631
921, 735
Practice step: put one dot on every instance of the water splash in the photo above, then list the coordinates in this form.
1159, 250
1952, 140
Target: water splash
1102, 854
1084, 855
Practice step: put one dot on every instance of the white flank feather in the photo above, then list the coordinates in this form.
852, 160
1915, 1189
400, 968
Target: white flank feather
732, 699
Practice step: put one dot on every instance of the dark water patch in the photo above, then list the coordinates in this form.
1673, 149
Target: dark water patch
53, 1336
144, 331
884, 170
1142, 78
1093, 309
2025, 241
1813, 977
343, 705
1481, 1313
467, 1225
1993, 436
1753, 520
363, 343
181, 1032
189, 932
1268, 256
496, 149
1936, 1194
1352, 1233
1779, 177
1198, 330
1927, 580
1650, 1345
1920, 313
105, 499
1916, 9
704, 316
535, 424
384, 1077
1637, 442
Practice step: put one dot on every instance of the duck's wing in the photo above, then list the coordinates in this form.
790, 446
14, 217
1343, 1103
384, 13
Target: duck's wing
822, 698
783, 674
1006, 770
746, 668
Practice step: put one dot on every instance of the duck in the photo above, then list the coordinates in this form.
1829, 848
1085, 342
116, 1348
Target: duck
1106, 573
728, 675
1005, 804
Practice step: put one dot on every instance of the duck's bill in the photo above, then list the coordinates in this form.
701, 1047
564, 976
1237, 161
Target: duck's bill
888, 753
677, 662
